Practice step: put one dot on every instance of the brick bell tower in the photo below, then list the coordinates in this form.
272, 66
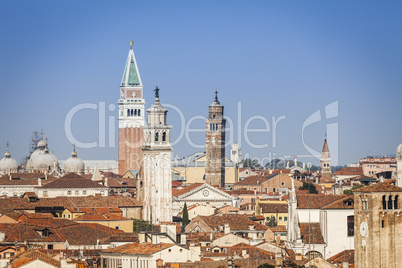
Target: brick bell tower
131, 116
215, 144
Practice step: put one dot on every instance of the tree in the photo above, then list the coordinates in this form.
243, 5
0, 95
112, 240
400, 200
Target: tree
310, 187
185, 219
272, 222
350, 191
140, 225
250, 163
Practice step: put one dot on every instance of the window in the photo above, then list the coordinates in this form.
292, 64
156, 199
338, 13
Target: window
274, 190
84, 192
390, 202
77, 192
384, 202
44, 193
286, 219
382, 224
283, 183
156, 136
252, 200
117, 227
280, 219
164, 136
396, 202
68, 192
351, 225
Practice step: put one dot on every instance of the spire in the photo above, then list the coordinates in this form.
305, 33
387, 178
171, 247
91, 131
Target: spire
131, 76
8, 154
325, 148
216, 101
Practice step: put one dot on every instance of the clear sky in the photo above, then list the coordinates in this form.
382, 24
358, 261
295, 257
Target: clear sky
272, 58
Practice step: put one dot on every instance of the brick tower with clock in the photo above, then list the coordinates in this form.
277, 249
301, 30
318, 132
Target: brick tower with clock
131, 116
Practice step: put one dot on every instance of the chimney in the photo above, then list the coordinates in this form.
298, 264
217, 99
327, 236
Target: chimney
299, 257
39, 182
345, 264
278, 259
227, 228
105, 182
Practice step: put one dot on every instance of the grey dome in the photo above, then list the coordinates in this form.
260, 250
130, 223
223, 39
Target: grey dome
74, 164
8, 164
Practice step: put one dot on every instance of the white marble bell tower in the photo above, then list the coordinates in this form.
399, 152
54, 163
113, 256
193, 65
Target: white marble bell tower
157, 170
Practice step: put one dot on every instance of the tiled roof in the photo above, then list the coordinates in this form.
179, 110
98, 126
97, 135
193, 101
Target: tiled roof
380, 187
176, 192
96, 216
252, 180
31, 255
315, 201
349, 171
204, 237
140, 249
279, 228
344, 256
251, 251
236, 222
72, 180
94, 210
346, 202
176, 184
122, 237
86, 233
25, 179
272, 208
239, 192
311, 233
9, 205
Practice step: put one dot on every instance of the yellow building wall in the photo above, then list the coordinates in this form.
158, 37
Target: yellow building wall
281, 220
196, 174
126, 225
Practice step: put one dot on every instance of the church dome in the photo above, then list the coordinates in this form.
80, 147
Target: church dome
74, 163
41, 144
399, 152
45, 161
8, 164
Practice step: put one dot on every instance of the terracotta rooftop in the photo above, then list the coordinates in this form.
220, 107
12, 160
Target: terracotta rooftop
311, 233
176, 184
273, 208
316, 201
31, 255
279, 228
97, 216
252, 180
239, 249
344, 256
139, 249
346, 202
10, 205
25, 179
349, 171
72, 180
94, 210
236, 222
387, 186
204, 237
178, 192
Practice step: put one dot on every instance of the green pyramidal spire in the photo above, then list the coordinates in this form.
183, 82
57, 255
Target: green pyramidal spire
131, 76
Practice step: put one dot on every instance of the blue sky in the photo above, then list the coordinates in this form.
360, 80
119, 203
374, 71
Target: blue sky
277, 58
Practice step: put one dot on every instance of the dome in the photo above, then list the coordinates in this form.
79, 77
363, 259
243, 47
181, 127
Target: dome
399, 152
41, 144
8, 164
74, 164
45, 161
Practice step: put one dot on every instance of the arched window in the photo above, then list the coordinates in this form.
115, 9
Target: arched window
156, 136
132, 112
351, 225
390, 202
396, 202
384, 202
128, 112
135, 112
164, 136
210, 127
139, 112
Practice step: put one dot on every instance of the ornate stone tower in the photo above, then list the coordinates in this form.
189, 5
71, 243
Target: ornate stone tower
215, 145
325, 161
378, 226
131, 116
156, 181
